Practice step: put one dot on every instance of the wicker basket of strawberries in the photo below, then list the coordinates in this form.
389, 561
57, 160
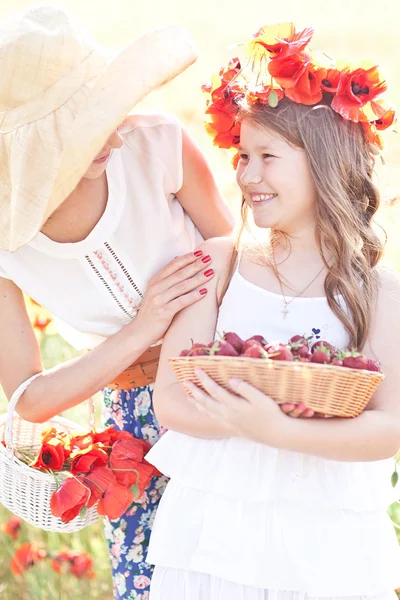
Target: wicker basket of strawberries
329, 381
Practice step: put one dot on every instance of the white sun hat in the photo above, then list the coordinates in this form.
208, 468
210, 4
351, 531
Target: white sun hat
61, 97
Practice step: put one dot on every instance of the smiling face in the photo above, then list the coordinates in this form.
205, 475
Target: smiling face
275, 179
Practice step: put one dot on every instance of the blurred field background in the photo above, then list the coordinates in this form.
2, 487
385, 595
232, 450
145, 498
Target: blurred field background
351, 29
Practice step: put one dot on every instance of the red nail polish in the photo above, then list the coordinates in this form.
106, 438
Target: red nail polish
206, 259
202, 291
198, 253
208, 273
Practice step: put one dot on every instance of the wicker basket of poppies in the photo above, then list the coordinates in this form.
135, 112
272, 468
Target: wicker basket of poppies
328, 381
59, 478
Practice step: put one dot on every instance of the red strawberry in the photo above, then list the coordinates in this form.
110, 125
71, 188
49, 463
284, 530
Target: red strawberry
258, 338
278, 351
199, 350
337, 362
235, 341
321, 356
249, 344
184, 353
255, 351
221, 348
355, 361
373, 365
302, 358
322, 344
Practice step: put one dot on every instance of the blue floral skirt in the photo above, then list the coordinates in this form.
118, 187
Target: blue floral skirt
128, 537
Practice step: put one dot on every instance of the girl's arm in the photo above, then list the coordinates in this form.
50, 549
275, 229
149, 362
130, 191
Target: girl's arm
176, 286
194, 324
374, 435
199, 195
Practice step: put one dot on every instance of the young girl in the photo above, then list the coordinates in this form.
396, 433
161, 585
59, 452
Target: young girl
261, 506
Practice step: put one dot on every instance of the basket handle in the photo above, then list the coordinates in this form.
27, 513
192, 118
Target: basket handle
11, 408
8, 435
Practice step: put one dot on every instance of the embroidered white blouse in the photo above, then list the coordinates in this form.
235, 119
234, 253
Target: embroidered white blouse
94, 286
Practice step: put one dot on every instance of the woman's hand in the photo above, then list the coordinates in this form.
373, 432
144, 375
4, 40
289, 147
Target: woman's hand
246, 411
179, 284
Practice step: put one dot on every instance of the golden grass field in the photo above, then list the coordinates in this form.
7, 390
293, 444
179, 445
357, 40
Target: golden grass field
352, 29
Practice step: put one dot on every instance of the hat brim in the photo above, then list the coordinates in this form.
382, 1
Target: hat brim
145, 64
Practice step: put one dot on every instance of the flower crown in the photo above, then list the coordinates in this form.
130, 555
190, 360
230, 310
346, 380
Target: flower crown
280, 64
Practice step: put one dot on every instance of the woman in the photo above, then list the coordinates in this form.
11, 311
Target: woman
100, 216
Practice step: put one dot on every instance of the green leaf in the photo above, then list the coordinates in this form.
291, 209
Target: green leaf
394, 478
82, 512
273, 99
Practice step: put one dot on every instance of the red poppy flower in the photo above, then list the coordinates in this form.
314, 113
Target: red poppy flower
355, 89
25, 557
372, 135
51, 456
69, 499
98, 481
128, 464
288, 71
280, 41
133, 448
89, 458
330, 81
308, 87
235, 160
115, 501
79, 563
386, 120
110, 435
81, 441
264, 94
11, 527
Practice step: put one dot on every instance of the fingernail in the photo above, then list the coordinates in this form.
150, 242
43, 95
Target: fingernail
203, 291
198, 253
208, 273
206, 259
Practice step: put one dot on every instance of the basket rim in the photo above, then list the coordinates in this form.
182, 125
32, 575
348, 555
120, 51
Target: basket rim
36, 473
276, 363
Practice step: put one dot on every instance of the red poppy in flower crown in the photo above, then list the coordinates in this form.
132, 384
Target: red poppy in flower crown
280, 41
355, 89
265, 95
386, 120
330, 81
308, 87
25, 557
288, 71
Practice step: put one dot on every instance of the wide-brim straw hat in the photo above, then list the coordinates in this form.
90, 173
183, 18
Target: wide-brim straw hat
61, 97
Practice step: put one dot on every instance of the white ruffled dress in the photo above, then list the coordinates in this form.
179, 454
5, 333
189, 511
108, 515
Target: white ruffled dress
240, 520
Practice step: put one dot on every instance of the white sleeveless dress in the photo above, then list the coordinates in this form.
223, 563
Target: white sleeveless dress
244, 521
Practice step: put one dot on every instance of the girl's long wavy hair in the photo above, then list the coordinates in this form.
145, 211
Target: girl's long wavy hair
342, 167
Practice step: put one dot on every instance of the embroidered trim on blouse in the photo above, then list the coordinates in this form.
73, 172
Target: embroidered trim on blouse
103, 264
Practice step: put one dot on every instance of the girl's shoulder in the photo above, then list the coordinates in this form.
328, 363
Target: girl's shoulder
388, 281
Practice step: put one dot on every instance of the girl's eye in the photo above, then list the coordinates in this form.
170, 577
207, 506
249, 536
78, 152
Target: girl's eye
243, 156
267, 156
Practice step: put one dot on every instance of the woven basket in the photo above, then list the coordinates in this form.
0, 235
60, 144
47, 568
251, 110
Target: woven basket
327, 389
26, 492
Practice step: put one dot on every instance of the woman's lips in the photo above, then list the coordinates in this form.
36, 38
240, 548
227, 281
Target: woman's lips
102, 159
